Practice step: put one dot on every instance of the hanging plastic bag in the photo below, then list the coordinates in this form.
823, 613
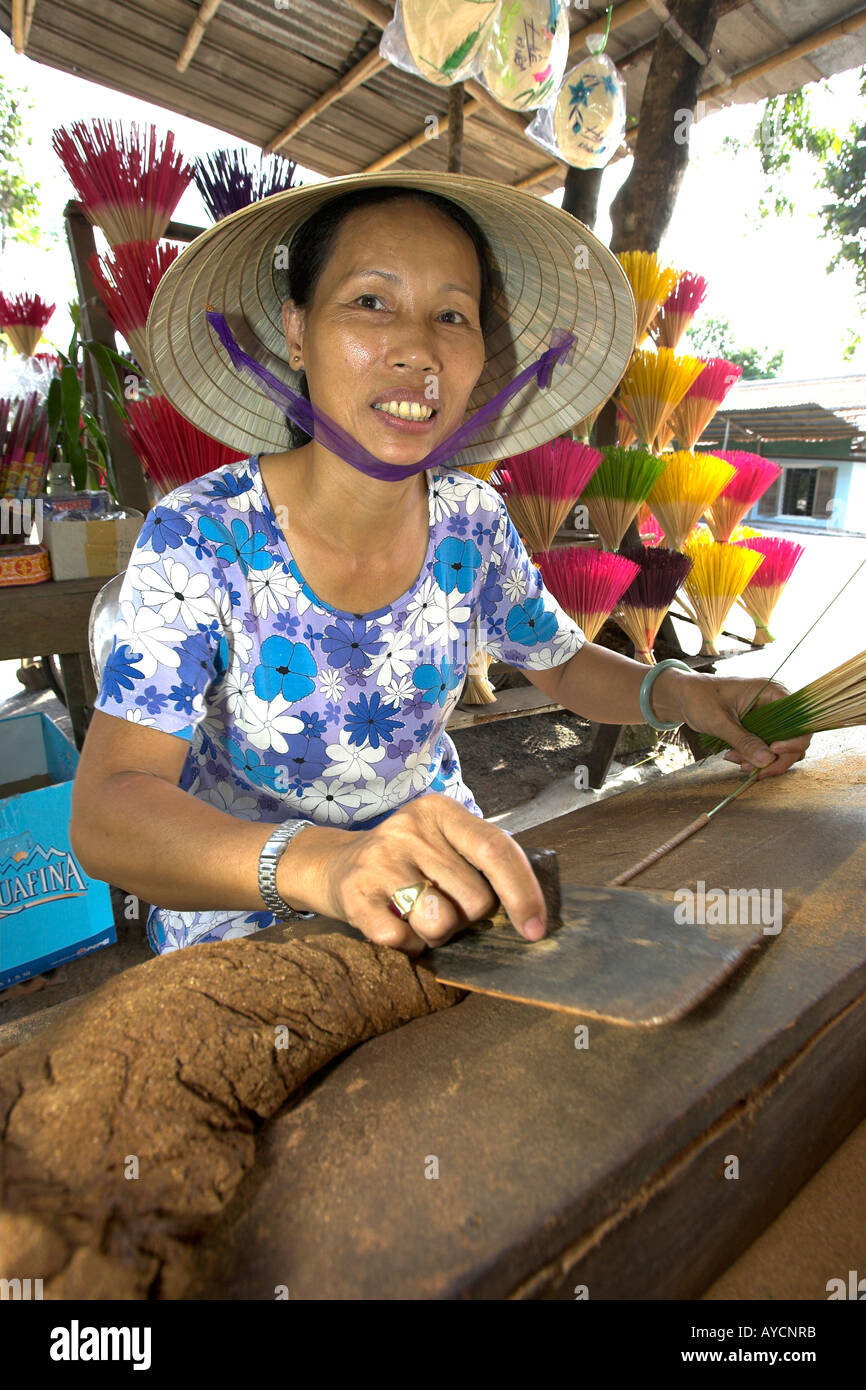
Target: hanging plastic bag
585, 124
524, 59
439, 40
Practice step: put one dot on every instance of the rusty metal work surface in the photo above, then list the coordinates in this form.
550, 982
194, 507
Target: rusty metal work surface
459, 1155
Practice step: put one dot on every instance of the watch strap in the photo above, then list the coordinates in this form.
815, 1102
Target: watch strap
269, 857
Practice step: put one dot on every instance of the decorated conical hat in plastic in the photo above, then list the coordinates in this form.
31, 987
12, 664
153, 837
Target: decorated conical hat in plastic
589, 117
555, 275
525, 56
444, 36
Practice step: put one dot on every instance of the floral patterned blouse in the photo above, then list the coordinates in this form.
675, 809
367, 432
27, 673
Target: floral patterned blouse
291, 707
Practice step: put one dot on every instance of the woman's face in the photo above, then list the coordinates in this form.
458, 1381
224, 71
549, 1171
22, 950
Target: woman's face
394, 319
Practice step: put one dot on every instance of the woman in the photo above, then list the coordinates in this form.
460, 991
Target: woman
268, 738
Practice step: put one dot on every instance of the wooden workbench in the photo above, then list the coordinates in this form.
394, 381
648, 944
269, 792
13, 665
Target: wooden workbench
53, 617
600, 1167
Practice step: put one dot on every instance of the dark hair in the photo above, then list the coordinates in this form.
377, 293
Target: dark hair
313, 242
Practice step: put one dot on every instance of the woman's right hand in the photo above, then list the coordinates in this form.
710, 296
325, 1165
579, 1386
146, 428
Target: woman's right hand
473, 865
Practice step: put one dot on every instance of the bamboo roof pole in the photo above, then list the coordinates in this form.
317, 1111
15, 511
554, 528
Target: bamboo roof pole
22, 18
366, 68
206, 11
789, 55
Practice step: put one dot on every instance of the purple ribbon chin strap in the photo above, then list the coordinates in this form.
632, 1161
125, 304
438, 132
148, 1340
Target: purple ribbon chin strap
326, 431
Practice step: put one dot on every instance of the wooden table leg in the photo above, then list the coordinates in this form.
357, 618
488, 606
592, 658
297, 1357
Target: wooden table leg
80, 688
602, 748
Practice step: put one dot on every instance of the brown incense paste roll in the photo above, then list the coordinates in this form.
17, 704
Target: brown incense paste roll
129, 1123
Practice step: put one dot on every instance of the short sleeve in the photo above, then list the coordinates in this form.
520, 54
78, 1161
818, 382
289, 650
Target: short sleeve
520, 620
169, 645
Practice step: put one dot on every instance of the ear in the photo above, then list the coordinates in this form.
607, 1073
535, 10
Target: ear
294, 321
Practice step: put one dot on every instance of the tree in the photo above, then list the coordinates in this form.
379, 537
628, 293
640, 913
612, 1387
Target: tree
787, 128
642, 209
19, 198
845, 218
712, 338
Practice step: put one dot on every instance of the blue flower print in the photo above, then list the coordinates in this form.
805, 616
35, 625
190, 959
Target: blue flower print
491, 593
313, 723
580, 92
238, 546
369, 721
197, 658
459, 524
455, 565
287, 623
436, 683
422, 733
120, 670
286, 668
182, 696
152, 700
163, 530
529, 624
249, 761
306, 756
351, 643
415, 705
229, 485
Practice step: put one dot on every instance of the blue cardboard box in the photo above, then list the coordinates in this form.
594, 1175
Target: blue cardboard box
50, 912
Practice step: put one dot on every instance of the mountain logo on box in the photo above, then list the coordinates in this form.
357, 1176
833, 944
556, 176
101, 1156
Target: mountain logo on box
34, 875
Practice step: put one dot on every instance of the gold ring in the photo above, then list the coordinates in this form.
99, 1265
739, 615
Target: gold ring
403, 900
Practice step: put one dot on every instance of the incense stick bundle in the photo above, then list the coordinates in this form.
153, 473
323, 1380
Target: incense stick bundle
617, 489
753, 475
651, 284
764, 589
587, 583
541, 486
171, 450
126, 280
653, 386
645, 602
690, 418
479, 688
128, 182
834, 701
744, 533
689, 484
626, 435
676, 314
716, 580
484, 471
651, 534
24, 440
23, 318
228, 180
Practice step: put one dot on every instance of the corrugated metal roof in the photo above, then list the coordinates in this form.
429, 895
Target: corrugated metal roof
260, 65
812, 411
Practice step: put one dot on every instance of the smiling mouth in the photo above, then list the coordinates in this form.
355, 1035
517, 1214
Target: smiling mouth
405, 410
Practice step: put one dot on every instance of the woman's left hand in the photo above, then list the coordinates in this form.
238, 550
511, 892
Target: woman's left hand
713, 705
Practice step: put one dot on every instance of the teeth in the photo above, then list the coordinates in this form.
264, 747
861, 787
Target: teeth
405, 410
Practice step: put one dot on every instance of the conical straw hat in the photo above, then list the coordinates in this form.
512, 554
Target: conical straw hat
555, 274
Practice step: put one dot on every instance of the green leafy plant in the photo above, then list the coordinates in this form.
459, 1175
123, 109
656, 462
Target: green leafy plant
713, 338
75, 432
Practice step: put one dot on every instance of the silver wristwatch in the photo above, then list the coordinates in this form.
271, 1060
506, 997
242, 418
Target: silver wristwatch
269, 858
